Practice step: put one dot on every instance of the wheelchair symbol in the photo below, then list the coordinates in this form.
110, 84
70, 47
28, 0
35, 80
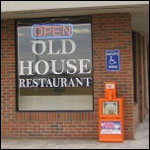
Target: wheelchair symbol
112, 61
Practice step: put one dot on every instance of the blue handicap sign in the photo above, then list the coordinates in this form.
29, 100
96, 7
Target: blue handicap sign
112, 60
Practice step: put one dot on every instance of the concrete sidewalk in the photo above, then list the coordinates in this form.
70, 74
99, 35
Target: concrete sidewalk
141, 142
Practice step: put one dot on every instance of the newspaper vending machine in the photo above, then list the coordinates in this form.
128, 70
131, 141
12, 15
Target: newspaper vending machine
110, 115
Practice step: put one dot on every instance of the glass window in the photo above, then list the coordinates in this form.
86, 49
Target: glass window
55, 64
110, 108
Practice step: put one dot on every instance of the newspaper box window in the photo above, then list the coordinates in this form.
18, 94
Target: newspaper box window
55, 64
110, 108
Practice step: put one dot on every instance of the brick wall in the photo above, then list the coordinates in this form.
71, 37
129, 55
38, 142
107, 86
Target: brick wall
140, 108
113, 31
110, 31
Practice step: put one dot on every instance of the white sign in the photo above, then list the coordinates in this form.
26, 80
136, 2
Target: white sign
110, 86
110, 127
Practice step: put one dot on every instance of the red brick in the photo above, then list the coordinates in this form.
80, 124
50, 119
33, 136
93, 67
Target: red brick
109, 31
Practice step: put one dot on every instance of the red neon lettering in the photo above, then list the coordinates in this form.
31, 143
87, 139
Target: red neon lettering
47, 30
56, 30
66, 29
38, 31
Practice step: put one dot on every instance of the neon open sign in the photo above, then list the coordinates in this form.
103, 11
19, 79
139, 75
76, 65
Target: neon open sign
48, 31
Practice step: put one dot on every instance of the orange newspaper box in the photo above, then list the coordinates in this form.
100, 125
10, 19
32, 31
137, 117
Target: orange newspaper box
110, 115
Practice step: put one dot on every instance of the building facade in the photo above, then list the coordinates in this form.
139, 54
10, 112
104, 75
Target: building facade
76, 115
